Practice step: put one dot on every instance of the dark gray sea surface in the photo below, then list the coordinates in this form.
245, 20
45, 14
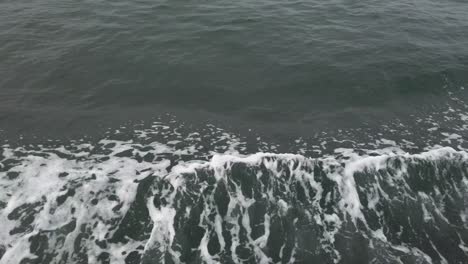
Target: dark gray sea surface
279, 61
216, 131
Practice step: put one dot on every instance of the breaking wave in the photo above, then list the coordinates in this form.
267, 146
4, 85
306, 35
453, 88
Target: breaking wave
119, 201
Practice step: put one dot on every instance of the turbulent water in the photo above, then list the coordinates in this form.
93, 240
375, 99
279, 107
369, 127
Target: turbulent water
162, 195
223, 131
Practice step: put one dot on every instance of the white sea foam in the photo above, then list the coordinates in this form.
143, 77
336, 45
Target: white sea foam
80, 194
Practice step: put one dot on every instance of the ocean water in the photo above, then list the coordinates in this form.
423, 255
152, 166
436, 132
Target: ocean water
243, 131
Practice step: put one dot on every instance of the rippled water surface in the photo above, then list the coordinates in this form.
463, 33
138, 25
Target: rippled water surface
248, 58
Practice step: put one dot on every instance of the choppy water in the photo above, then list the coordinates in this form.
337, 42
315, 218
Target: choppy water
233, 131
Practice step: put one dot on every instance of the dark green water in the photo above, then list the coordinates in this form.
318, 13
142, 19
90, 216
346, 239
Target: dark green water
128, 131
266, 60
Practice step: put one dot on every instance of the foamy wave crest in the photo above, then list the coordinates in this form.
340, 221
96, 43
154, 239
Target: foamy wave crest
123, 202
